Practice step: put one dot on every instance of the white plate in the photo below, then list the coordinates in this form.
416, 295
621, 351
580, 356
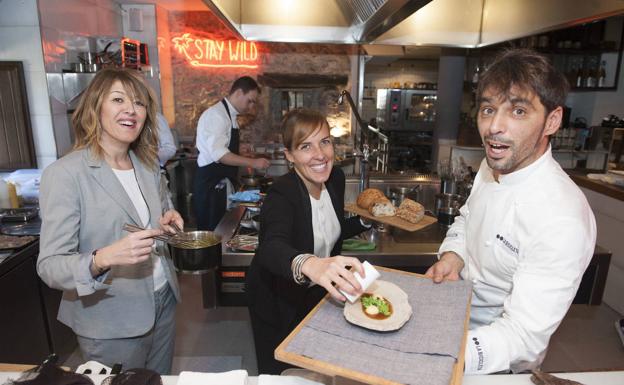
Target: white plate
402, 311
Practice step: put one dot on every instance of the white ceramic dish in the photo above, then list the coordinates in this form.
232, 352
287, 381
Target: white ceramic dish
402, 311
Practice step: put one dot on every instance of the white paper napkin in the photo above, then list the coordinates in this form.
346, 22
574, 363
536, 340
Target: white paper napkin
371, 275
233, 377
266, 379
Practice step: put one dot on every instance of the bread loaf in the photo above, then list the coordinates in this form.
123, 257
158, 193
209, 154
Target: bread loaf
382, 207
368, 197
411, 211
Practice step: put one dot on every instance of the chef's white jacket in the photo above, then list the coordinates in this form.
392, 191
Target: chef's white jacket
166, 145
213, 133
525, 241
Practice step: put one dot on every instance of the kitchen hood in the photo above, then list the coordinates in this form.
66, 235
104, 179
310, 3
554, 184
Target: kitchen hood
431, 23
318, 21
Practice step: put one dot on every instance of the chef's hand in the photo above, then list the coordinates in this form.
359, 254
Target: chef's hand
260, 163
169, 219
132, 249
447, 268
332, 273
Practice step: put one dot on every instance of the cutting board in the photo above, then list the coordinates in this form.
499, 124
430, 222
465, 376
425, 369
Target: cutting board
393, 220
336, 371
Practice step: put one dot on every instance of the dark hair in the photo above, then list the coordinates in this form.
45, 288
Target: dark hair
300, 123
529, 71
245, 84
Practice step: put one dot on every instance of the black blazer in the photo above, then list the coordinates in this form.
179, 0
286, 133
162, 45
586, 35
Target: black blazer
285, 232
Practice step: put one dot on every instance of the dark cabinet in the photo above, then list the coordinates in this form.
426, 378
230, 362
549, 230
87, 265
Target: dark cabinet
29, 330
23, 337
16, 142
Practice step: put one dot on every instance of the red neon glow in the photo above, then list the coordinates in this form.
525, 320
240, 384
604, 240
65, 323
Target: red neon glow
216, 53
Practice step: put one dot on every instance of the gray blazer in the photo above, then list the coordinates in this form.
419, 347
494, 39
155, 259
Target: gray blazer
83, 208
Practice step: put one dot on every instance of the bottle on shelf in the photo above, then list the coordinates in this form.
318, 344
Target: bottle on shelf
579, 77
590, 78
602, 74
475, 75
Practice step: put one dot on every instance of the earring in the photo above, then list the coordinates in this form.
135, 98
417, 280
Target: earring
290, 165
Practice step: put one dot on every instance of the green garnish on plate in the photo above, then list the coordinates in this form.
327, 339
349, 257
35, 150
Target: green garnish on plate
379, 303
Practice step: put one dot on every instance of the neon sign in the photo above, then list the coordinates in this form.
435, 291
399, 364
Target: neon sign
216, 53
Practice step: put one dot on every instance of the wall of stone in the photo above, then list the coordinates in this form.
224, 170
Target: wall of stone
197, 88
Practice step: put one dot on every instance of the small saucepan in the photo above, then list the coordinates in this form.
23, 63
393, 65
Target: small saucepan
261, 182
196, 252
251, 180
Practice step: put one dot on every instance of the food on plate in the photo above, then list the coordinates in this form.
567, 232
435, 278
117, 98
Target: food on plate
380, 293
367, 197
382, 207
375, 306
411, 211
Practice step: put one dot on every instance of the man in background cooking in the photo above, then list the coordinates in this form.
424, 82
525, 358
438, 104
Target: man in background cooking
218, 160
526, 233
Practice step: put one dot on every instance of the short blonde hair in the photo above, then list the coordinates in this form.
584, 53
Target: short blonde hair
300, 123
86, 119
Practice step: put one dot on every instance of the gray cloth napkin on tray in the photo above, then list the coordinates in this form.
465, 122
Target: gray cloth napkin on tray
423, 351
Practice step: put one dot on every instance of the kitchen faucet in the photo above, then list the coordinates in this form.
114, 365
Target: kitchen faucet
364, 152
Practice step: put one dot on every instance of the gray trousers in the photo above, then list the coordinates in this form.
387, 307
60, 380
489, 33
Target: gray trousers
153, 350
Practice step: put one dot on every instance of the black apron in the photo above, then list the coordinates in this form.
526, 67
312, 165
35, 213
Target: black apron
209, 201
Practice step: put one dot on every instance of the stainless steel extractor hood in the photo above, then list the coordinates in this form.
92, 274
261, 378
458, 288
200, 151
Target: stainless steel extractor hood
328, 21
439, 23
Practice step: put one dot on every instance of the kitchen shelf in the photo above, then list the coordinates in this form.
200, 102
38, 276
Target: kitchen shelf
588, 46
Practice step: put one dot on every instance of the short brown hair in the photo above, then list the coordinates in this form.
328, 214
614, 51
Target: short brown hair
86, 119
528, 70
300, 123
245, 84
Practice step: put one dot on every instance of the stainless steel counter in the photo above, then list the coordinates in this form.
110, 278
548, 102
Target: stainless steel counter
398, 249
414, 250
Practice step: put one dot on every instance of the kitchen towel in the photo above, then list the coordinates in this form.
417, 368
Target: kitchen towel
352, 244
423, 351
246, 196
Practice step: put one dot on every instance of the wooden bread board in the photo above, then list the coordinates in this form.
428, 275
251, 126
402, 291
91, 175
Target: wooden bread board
330, 369
393, 220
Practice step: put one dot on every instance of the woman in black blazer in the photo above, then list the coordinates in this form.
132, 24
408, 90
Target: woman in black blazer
302, 228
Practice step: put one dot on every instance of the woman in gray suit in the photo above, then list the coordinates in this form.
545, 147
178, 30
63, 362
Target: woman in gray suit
119, 289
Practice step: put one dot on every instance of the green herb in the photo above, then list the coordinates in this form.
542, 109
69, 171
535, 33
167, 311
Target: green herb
379, 303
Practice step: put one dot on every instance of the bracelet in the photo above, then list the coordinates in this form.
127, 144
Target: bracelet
296, 265
99, 270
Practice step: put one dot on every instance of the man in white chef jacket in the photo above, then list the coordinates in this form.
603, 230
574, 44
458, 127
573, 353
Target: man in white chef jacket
526, 233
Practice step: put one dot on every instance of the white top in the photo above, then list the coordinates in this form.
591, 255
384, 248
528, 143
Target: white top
213, 133
325, 225
525, 241
130, 184
166, 145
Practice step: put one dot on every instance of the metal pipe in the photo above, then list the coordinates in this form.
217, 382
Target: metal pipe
363, 137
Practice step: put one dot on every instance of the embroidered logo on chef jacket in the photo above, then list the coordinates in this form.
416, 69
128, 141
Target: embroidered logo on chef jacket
479, 350
509, 244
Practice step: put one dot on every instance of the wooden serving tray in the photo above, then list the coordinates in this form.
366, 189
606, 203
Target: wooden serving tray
336, 371
392, 221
